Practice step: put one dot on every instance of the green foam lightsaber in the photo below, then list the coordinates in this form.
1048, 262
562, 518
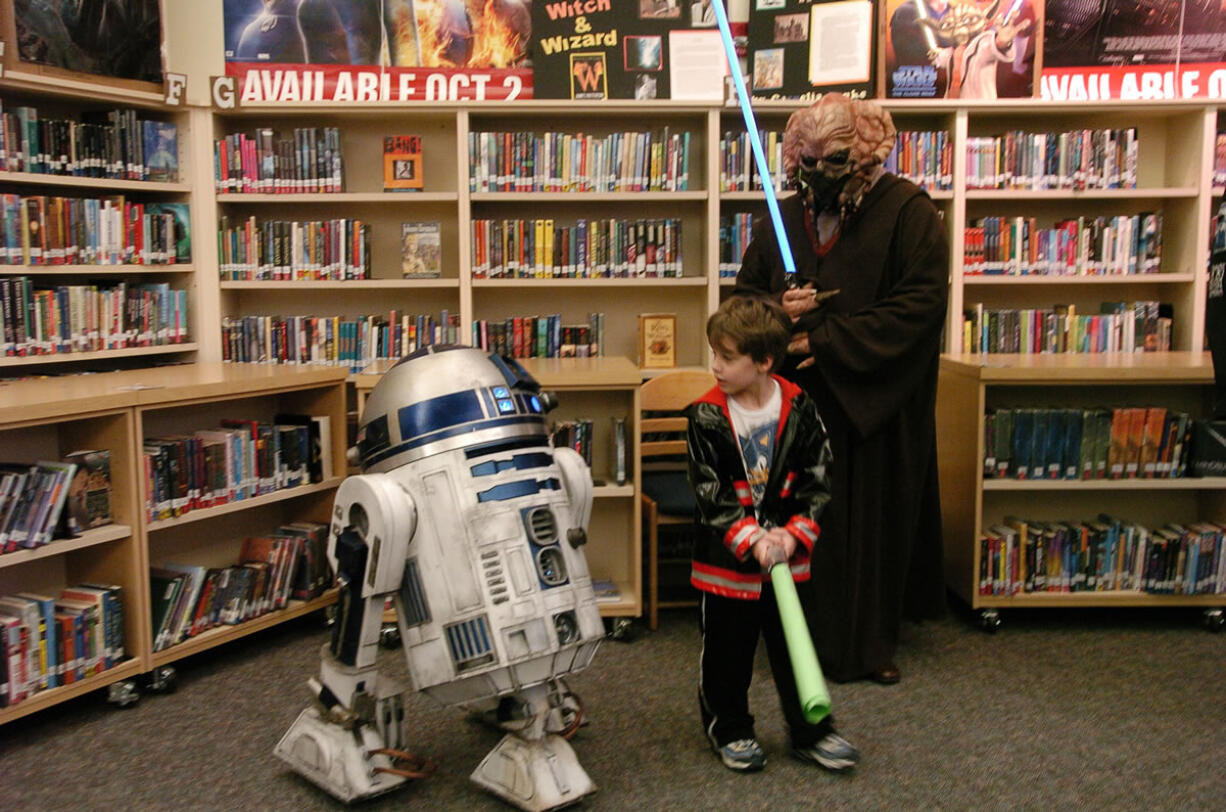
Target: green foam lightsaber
814, 698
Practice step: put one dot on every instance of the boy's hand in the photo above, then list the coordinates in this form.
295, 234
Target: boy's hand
784, 541
764, 551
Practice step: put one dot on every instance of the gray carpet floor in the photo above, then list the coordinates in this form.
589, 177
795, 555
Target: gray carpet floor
1087, 710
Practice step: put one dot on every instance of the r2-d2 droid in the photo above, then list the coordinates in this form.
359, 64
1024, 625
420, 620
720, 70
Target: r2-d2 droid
467, 517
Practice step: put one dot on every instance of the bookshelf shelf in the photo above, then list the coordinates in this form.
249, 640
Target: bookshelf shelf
93, 184
205, 514
1055, 279
592, 281
1140, 193
613, 491
90, 538
1073, 486
96, 270
352, 284
45, 699
587, 197
224, 634
71, 357
408, 198
1118, 598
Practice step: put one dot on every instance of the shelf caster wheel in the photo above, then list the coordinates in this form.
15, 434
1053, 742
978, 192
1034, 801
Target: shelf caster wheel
122, 694
1215, 620
163, 680
989, 620
622, 628
389, 636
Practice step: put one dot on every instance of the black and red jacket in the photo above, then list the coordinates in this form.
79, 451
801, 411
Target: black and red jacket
797, 490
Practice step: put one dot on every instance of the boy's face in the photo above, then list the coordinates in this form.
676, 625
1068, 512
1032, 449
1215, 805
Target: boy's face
735, 372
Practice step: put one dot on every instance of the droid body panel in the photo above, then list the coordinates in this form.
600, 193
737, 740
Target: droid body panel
467, 517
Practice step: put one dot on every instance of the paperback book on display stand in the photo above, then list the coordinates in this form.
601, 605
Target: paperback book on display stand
421, 252
402, 163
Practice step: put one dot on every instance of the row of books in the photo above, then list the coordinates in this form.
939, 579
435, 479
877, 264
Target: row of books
239, 460
738, 168
1141, 326
1125, 442
49, 500
540, 336
334, 340
293, 250
735, 231
32, 497
543, 249
265, 163
48, 641
86, 318
565, 162
50, 230
1076, 159
924, 157
1081, 246
1020, 556
103, 144
575, 433
289, 563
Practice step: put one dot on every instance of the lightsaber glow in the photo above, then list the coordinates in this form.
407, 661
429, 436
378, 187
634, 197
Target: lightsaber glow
755, 143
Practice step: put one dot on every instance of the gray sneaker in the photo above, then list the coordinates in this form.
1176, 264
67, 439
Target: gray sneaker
833, 752
742, 755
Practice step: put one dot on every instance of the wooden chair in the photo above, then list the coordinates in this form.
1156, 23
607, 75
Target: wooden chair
666, 495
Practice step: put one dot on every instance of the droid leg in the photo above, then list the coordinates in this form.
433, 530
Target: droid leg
350, 740
532, 768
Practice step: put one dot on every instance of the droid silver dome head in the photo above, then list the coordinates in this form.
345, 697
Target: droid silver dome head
445, 397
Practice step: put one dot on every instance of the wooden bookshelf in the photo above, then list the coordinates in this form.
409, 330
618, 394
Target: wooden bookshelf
46, 418
970, 385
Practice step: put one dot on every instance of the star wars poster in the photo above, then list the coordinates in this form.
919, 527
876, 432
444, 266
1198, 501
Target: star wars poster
938, 49
378, 50
1134, 50
609, 49
116, 38
799, 49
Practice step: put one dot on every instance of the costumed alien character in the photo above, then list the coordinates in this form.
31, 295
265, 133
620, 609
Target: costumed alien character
468, 518
971, 47
868, 302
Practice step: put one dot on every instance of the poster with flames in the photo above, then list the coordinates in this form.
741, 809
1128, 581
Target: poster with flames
293, 51
1134, 50
937, 49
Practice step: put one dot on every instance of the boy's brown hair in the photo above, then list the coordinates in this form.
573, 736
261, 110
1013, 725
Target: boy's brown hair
756, 327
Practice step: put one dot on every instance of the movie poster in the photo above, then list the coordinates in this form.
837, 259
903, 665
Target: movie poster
799, 49
1134, 49
611, 49
378, 50
937, 49
117, 38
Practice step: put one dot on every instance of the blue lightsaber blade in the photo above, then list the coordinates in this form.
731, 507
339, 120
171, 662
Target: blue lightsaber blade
751, 126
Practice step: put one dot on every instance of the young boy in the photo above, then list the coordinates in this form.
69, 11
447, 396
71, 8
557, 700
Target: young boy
758, 459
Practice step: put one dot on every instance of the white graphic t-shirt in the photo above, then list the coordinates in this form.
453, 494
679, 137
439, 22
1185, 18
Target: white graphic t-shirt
755, 431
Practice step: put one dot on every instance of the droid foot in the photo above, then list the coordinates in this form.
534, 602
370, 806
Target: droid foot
350, 764
535, 775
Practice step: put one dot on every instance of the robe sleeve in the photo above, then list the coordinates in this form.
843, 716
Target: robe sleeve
875, 358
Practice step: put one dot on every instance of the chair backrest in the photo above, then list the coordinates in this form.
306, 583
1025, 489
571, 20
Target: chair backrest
663, 435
